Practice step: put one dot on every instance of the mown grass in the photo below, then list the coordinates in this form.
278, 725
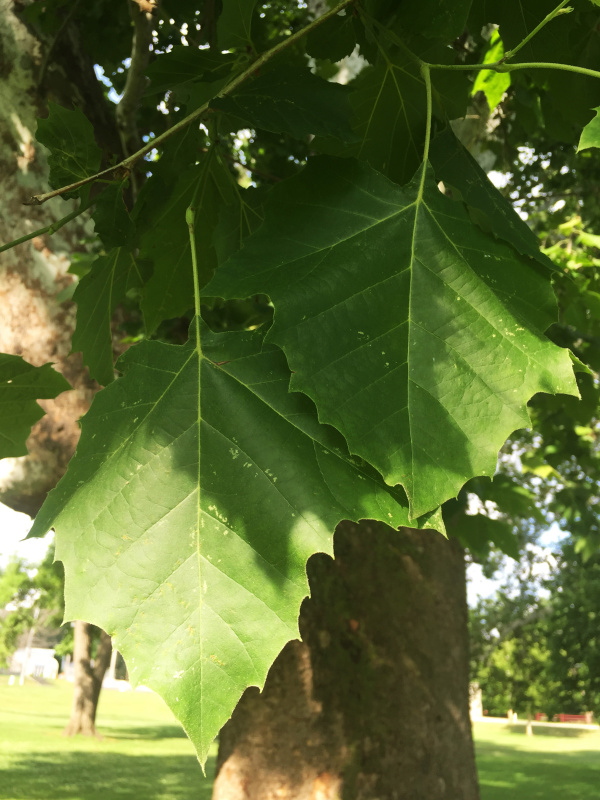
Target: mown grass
143, 753
552, 764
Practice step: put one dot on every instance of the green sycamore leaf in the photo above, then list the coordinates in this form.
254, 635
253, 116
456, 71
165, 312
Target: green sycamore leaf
478, 530
291, 100
69, 136
493, 84
185, 65
456, 167
21, 385
199, 489
590, 135
97, 295
388, 101
165, 240
334, 39
112, 222
418, 336
235, 23
434, 18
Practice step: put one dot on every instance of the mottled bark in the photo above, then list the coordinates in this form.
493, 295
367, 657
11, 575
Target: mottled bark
374, 702
35, 324
88, 680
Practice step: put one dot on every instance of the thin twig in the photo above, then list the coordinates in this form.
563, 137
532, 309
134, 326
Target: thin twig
128, 162
49, 229
560, 9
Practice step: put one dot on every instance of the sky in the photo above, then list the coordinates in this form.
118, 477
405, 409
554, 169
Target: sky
13, 528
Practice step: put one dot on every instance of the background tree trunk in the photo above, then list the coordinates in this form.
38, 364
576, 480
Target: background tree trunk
35, 324
88, 679
374, 702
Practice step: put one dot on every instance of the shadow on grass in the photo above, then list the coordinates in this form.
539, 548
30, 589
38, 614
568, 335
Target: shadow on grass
106, 776
509, 774
572, 733
140, 732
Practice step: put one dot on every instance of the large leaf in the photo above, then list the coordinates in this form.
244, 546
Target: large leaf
21, 385
199, 489
97, 295
418, 336
69, 135
294, 101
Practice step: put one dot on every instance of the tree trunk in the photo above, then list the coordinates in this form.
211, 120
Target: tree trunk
35, 323
374, 702
88, 680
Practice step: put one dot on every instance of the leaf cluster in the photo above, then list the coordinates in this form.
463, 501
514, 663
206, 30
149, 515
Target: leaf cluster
368, 317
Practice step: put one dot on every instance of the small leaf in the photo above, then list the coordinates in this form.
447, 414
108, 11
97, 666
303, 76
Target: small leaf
198, 491
74, 154
493, 84
235, 23
294, 101
21, 385
417, 335
590, 136
97, 295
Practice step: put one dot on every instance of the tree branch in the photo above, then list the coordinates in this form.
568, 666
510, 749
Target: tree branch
124, 167
135, 85
49, 229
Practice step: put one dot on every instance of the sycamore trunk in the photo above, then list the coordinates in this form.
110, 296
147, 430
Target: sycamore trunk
36, 323
373, 704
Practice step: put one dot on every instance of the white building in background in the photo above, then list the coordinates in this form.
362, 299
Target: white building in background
475, 702
40, 662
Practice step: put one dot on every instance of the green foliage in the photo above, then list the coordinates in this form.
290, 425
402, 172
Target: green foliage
368, 323
69, 136
492, 84
234, 27
170, 581
21, 385
111, 278
294, 101
590, 135
421, 327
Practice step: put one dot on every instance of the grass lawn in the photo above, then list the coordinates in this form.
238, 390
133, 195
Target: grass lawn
558, 764
144, 754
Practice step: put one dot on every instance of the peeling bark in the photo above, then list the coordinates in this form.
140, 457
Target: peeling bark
34, 323
373, 704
